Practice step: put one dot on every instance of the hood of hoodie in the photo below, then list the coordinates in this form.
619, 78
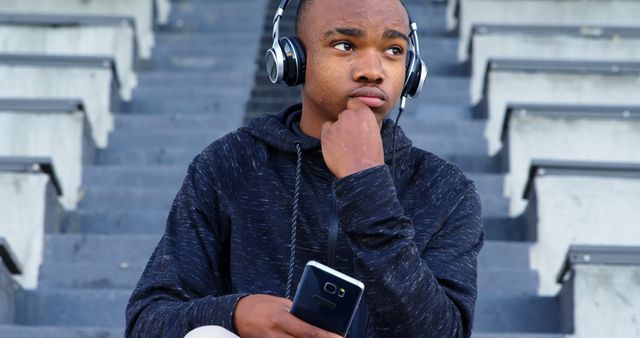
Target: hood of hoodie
278, 131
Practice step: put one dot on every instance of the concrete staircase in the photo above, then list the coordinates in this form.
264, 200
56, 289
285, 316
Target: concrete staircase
205, 78
192, 91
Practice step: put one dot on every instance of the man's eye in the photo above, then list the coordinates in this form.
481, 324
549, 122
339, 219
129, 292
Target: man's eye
394, 51
343, 46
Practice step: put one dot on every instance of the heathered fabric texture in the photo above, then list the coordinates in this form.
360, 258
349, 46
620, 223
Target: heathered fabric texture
412, 241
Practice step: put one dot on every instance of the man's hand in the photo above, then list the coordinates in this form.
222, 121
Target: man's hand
353, 143
266, 316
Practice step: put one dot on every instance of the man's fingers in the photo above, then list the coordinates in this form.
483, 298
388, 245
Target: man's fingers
298, 328
357, 105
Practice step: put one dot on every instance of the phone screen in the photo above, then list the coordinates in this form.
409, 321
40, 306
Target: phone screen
327, 298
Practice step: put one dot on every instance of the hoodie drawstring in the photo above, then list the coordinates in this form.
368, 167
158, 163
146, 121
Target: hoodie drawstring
294, 220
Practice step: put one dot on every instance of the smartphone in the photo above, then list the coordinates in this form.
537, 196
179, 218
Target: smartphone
327, 298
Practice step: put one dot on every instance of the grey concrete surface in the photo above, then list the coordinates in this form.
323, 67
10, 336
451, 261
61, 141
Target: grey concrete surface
623, 13
91, 85
141, 10
23, 209
56, 135
115, 41
560, 44
604, 301
580, 209
565, 137
538, 86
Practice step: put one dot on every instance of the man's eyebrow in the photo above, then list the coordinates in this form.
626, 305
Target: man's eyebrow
355, 32
394, 34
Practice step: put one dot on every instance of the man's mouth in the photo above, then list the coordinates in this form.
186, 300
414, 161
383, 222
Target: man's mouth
373, 97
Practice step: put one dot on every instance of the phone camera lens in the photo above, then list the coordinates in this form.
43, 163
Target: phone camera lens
330, 288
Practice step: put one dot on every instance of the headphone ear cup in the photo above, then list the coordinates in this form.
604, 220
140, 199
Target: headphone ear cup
295, 61
415, 76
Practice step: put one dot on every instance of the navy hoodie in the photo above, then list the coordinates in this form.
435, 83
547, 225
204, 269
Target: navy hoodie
412, 241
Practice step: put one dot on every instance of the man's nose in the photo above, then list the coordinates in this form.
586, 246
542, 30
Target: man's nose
368, 68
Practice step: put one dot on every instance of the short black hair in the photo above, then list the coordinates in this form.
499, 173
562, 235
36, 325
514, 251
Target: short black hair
303, 7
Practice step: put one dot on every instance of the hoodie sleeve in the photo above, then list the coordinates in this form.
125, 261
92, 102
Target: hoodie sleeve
179, 288
411, 293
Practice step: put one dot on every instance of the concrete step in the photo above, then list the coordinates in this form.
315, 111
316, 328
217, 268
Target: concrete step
156, 176
435, 111
115, 250
194, 92
135, 176
169, 105
505, 255
494, 206
173, 79
442, 146
524, 314
488, 184
446, 128
155, 138
505, 229
171, 155
92, 275
158, 156
83, 275
128, 198
64, 307
135, 222
243, 52
237, 62
218, 39
136, 122
474, 163
162, 198
131, 250
17, 331
507, 282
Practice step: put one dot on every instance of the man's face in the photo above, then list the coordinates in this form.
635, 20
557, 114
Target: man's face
355, 48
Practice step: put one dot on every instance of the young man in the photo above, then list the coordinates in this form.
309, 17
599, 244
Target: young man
412, 239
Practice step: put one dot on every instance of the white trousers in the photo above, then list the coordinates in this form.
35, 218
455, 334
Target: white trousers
210, 332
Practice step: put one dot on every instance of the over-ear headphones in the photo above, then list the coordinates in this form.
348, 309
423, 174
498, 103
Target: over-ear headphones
286, 59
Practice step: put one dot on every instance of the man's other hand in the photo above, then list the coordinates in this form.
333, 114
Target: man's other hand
352, 143
266, 316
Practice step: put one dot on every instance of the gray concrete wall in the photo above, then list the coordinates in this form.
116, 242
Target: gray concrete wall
116, 42
605, 299
544, 12
552, 88
569, 139
91, 85
141, 10
585, 210
22, 210
58, 136
545, 47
